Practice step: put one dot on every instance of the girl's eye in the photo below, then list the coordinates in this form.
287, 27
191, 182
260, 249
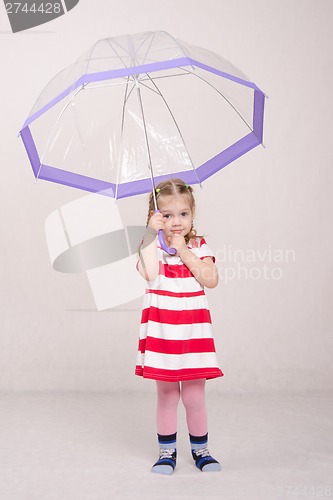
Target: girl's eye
184, 214
166, 216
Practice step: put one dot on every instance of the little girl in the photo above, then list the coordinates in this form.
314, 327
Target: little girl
176, 345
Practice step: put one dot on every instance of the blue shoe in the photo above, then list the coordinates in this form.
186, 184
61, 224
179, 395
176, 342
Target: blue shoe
204, 461
166, 463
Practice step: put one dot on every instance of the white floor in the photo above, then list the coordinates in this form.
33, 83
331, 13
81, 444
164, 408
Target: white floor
87, 446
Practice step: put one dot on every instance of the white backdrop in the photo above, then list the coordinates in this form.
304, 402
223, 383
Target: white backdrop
266, 216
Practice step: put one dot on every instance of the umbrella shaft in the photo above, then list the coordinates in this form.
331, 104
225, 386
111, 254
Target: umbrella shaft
150, 166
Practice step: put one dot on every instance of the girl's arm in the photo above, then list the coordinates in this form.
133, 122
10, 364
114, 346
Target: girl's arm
148, 258
203, 270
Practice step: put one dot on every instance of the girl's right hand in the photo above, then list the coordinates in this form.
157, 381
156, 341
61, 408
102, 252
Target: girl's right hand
156, 221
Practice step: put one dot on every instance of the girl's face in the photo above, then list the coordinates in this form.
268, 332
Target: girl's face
177, 214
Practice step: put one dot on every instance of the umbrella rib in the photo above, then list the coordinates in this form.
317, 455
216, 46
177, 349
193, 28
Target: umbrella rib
219, 92
127, 50
53, 128
176, 124
130, 92
180, 47
149, 88
165, 76
150, 44
150, 165
88, 86
89, 58
114, 50
121, 133
92, 87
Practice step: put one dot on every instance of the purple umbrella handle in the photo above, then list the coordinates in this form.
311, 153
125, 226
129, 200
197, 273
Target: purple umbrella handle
169, 250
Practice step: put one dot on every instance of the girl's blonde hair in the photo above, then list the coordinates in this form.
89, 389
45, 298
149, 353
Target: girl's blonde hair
170, 188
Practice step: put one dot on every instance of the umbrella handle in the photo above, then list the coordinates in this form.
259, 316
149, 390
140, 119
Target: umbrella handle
169, 250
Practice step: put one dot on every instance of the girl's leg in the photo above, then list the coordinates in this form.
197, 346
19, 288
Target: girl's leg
193, 397
168, 395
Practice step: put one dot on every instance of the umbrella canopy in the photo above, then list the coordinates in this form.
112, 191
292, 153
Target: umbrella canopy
138, 109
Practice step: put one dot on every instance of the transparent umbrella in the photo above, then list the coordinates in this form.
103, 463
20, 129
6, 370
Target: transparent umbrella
137, 109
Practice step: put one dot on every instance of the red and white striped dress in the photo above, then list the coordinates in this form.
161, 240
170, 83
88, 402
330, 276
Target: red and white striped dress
176, 339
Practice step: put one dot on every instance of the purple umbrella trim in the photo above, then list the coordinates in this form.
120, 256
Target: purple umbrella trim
202, 172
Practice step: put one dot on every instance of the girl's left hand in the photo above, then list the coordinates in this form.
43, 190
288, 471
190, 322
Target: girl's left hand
178, 242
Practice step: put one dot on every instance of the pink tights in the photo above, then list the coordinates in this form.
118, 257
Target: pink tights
192, 393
